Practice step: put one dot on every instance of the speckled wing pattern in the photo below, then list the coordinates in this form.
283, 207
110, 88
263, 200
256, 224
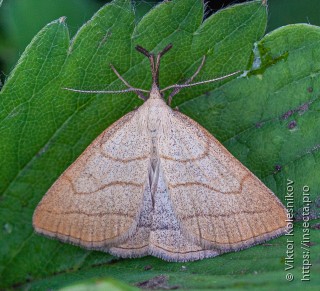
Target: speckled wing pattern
219, 203
157, 183
97, 201
159, 232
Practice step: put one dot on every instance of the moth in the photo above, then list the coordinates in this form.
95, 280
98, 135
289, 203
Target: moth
157, 183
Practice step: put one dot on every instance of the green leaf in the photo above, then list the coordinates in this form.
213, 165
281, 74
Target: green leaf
269, 120
258, 268
18, 27
99, 285
44, 128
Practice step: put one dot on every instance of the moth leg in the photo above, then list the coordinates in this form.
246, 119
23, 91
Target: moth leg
137, 91
176, 90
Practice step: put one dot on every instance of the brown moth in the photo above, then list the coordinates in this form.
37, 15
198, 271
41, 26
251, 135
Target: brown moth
157, 183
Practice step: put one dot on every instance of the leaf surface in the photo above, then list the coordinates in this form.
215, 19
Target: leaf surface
44, 128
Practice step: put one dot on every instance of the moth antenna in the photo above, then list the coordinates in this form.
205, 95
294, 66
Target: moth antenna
143, 51
155, 63
165, 50
130, 88
109, 92
201, 82
178, 87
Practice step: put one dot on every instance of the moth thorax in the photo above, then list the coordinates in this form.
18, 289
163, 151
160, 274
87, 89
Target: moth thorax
154, 119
